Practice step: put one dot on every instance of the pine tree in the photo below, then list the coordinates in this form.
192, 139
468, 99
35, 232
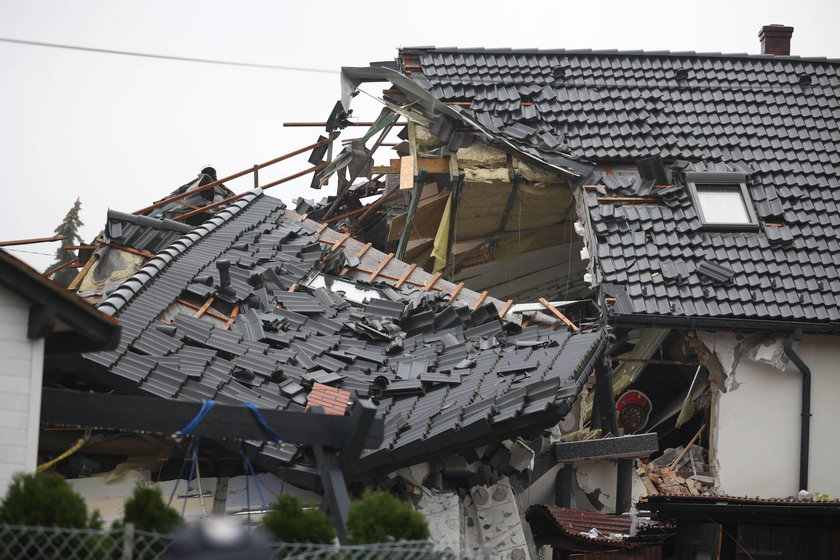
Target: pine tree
69, 228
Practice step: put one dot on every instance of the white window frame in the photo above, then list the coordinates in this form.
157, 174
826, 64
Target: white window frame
737, 182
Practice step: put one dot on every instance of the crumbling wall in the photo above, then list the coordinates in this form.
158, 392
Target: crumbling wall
496, 522
758, 416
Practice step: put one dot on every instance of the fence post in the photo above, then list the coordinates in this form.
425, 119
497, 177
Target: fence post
128, 542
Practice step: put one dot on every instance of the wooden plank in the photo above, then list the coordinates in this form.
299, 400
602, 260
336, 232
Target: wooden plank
405, 276
321, 229
433, 165
83, 272
432, 281
393, 168
649, 486
203, 309
456, 291
556, 312
69, 264
407, 173
233, 315
687, 447
386, 276
154, 415
31, 241
364, 250
505, 309
341, 241
131, 250
186, 194
207, 312
381, 266
480, 300
628, 199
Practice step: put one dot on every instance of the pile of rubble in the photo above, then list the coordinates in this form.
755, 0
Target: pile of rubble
678, 472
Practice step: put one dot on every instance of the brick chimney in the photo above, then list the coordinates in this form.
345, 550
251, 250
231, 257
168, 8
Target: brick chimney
775, 39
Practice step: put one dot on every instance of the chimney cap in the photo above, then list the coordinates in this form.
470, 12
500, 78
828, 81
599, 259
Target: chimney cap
776, 29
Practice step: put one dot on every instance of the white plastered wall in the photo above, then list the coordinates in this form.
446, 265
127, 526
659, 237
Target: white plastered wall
759, 422
21, 372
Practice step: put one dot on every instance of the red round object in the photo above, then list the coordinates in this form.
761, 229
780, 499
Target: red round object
633, 410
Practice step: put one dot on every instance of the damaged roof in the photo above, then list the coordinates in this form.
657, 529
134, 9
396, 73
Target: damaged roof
578, 529
259, 305
772, 118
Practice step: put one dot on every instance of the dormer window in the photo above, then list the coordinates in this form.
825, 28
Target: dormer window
722, 200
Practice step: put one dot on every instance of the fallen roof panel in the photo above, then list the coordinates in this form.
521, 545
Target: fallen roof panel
465, 384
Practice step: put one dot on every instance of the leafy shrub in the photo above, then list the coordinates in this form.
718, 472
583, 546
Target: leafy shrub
45, 499
148, 512
379, 515
288, 521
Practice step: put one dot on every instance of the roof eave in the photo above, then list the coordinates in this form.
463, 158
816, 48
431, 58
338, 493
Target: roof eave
721, 323
89, 329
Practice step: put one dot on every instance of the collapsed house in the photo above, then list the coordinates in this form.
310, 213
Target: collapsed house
575, 259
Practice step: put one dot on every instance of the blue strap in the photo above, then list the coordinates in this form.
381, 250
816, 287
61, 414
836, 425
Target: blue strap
250, 468
180, 476
193, 424
196, 443
253, 408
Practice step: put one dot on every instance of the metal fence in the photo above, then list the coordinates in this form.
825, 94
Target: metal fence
53, 543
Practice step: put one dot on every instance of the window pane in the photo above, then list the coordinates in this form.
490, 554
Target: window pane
723, 204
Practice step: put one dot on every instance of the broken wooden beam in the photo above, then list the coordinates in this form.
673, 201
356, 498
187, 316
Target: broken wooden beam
556, 312
233, 315
505, 309
208, 312
202, 188
69, 264
31, 241
312, 123
203, 309
687, 447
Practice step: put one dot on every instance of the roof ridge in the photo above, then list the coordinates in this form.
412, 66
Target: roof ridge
617, 52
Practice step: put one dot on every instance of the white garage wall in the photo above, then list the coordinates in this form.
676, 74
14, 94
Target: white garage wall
21, 372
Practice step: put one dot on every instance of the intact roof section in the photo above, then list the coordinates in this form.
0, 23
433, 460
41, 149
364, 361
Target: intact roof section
656, 259
445, 375
613, 105
536, 51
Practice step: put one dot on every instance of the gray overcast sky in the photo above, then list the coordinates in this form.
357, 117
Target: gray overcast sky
122, 131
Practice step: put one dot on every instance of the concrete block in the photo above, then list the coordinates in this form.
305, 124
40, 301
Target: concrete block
443, 513
501, 522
